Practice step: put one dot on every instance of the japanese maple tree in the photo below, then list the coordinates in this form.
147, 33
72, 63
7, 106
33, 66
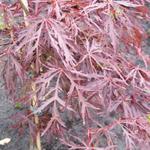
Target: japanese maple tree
83, 58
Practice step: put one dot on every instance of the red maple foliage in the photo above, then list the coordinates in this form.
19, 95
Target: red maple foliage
84, 54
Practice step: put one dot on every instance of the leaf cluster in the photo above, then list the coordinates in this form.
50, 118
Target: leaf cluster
82, 56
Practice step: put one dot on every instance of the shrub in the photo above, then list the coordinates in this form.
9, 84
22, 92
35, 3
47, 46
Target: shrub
82, 57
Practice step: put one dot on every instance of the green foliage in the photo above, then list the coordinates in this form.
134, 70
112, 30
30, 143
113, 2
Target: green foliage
18, 105
2, 23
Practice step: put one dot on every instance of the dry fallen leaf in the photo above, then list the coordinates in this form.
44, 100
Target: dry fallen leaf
5, 141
